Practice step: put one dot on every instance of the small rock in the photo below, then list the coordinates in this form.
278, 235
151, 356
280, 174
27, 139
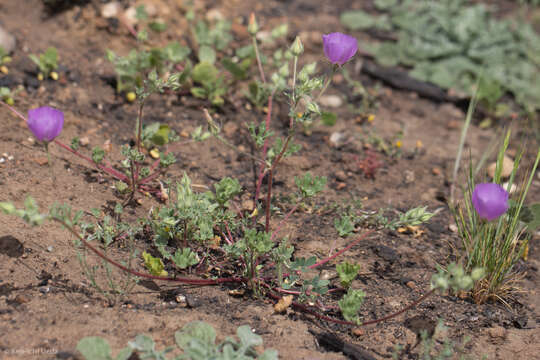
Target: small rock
107, 146
283, 303
21, 299
497, 332
409, 176
110, 10
507, 167
247, 205
453, 228
513, 188
411, 285
328, 274
41, 160
358, 332
31, 141
453, 125
130, 16
331, 101
7, 41
84, 141
436, 171
230, 128
50, 248
214, 15
341, 186
44, 289
337, 139
154, 153
184, 134
341, 176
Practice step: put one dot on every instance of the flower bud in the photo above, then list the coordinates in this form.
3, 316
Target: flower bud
297, 48
253, 27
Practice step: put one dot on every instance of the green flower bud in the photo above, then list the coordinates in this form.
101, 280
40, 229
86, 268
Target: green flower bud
297, 48
253, 27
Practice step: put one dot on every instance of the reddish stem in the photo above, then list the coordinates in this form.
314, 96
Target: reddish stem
268, 200
283, 221
324, 261
107, 169
144, 275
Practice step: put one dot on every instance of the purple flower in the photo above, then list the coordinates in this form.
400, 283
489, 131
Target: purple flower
490, 200
45, 123
339, 48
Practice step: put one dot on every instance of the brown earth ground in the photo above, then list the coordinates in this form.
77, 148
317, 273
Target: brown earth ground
46, 319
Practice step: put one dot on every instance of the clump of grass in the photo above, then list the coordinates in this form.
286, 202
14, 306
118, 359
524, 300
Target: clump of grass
497, 244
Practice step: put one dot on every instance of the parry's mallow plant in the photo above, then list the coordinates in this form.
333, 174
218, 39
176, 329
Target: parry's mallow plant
46, 124
495, 227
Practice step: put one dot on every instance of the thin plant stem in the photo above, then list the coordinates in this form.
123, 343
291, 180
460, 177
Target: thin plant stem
49, 163
264, 152
283, 221
468, 118
353, 243
326, 83
139, 126
258, 57
268, 200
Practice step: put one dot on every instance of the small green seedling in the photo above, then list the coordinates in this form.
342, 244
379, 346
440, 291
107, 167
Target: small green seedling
47, 63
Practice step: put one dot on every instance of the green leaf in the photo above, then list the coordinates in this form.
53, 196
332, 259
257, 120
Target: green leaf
309, 186
328, 118
154, 265
94, 348
157, 26
207, 54
185, 258
204, 73
161, 136
237, 71
385, 4
344, 226
198, 92
142, 343
124, 354
357, 20
247, 337
7, 208
534, 222
176, 52
226, 189
350, 304
347, 273
196, 330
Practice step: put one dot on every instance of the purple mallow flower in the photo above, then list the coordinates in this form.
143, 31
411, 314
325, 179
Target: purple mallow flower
339, 48
45, 123
490, 200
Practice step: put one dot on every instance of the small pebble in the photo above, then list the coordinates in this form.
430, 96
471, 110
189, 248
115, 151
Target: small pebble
507, 167
331, 101
50, 248
341, 185
436, 171
358, 332
84, 141
44, 289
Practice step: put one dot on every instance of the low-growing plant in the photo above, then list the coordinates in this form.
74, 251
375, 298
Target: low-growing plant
47, 63
197, 340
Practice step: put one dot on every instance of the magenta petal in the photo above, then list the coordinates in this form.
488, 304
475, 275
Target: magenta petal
490, 200
45, 123
339, 48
